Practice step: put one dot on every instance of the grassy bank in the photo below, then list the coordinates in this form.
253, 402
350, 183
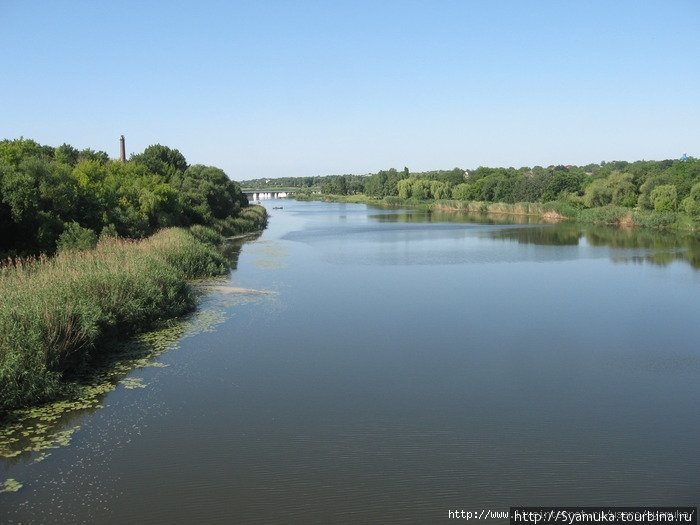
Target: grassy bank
385, 202
56, 312
548, 211
609, 215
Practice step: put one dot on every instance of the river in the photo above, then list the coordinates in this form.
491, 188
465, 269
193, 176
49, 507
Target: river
386, 366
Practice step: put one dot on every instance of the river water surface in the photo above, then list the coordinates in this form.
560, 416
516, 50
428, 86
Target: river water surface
395, 366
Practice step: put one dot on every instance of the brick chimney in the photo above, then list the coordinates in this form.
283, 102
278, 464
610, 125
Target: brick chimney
122, 149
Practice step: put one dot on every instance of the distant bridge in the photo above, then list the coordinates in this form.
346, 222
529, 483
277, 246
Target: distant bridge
262, 195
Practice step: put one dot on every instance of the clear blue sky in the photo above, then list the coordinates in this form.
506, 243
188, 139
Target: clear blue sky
294, 88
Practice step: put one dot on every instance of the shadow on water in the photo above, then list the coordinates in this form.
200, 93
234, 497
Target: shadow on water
232, 247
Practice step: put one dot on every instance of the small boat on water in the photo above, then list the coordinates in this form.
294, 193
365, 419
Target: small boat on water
277, 208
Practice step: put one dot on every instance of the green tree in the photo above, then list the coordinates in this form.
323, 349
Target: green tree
89, 154
439, 190
12, 152
644, 200
461, 191
208, 193
20, 190
453, 177
691, 204
597, 193
664, 198
420, 189
405, 188
66, 154
375, 185
623, 191
162, 160
561, 182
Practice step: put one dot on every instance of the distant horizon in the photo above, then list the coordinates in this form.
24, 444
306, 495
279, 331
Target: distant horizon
369, 173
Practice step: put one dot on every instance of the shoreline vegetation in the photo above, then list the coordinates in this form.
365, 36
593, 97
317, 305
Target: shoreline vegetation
655, 194
94, 250
548, 212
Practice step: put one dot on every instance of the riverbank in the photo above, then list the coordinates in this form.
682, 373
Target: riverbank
554, 211
58, 312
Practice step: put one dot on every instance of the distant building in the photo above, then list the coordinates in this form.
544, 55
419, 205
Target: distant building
684, 156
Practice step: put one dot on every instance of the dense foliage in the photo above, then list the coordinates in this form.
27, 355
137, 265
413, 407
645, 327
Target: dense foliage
657, 193
64, 198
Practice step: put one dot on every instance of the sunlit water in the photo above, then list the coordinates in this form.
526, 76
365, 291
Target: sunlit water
400, 366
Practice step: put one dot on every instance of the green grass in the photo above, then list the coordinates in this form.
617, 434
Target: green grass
56, 312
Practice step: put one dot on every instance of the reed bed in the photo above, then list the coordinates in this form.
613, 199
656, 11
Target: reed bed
55, 312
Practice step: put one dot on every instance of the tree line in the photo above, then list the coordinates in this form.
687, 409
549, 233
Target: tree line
664, 186
54, 197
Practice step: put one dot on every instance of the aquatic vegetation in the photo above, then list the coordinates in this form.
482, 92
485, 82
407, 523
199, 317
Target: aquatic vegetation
132, 382
38, 429
273, 249
268, 264
269, 255
10, 485
58, 314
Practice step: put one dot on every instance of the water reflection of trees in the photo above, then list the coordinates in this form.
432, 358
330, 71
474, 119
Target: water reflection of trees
484, 218
462, 217
232, 247
545, 235
663, 247
407, 216
660, 248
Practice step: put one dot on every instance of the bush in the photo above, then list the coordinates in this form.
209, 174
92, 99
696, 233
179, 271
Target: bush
610, 214
392, 200
76, 238
649, 219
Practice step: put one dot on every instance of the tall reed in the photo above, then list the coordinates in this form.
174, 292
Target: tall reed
55, 312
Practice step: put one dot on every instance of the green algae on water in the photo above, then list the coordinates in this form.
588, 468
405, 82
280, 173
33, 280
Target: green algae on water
132, 382
10, 485
37, 429
268, 264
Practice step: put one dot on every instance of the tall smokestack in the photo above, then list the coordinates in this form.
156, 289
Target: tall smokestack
122, 149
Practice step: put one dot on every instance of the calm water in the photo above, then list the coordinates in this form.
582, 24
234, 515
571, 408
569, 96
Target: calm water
402, 365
